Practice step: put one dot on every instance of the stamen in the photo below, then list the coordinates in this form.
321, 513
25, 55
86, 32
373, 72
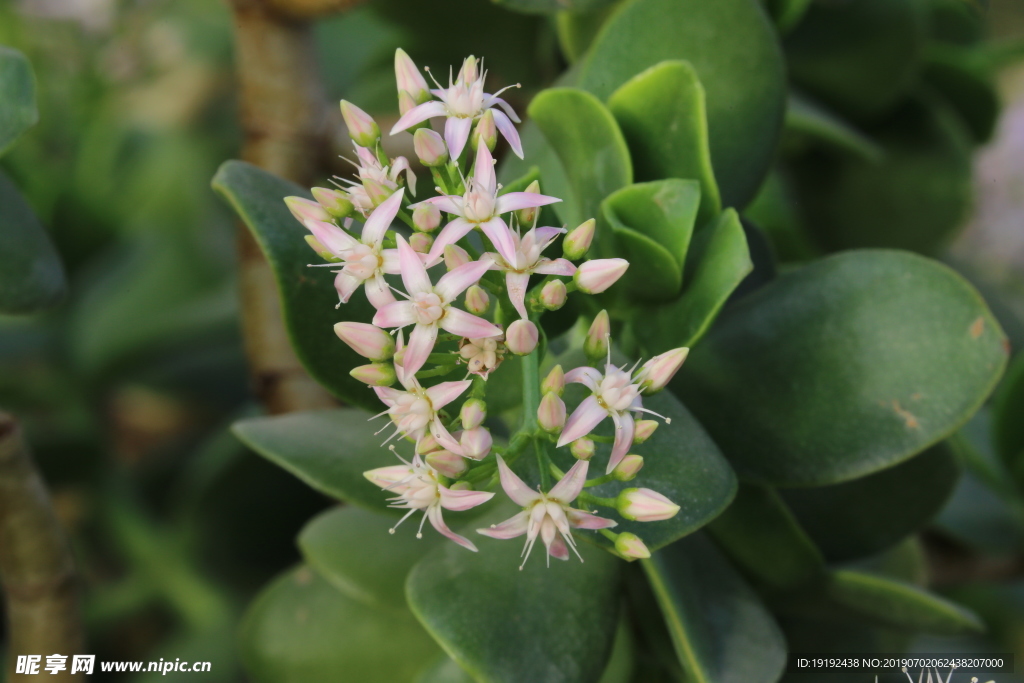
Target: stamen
419, 534
392, 529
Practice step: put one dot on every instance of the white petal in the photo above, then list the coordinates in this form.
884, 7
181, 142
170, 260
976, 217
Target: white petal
516, 284
434, 515
458, 280
624, 429
450, 234
421, 343
456, 133
419, 114
513, 201
377, 224
501, 237
571, 484
462, 500
587, 415
510, 528
515, 488
414, 273
444, 393
398, 314
466, 324
509, 132
587, 376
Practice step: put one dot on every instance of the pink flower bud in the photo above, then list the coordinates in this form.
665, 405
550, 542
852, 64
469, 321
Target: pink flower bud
376, 192
406, 102
306, 209
334, 201
551, 413
645, 505
597, 275
476, 443
554, 382
631, 547
477, 300
659, 371
461, 486
577, 243
529, 215
375, 374
469, 72
430, 147
409, 79
321, 250
447, 463
421, 242
473, 413
628, 467
363, 130
455, 256
426, 217
596, 343
582, 449
521, 337
553, 294
643, 429
367, 340
485, 132
427, 444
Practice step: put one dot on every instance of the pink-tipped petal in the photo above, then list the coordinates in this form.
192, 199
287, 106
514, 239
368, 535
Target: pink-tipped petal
450, 234
514, 201
483, 171
457, 281
378, 293
387, 395
557, 549
587, 376
569, 486
501, 237
377, 224
491, 100
434, 515
510, 528
515, 488
468, 325
542, 236
414, 273
458, 501
585, 520
331, 236
442, 437
509, 132
392, 264
444, 393
587, 415
421, 343
346, 285
559, 266
456, 133
419, 114
397, 314
517, 284
624, 427
445, 203
387, 477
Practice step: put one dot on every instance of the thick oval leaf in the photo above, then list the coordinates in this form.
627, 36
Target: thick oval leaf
327, 449
1008, 427
843, 368
905, 561
860, 57
31, 274
352, 549
721, 631
663, 116
18, 110
806, 118
592, 151
664, 210
307, 294
552, 6
577, 30
734, 50
554, 624
301, 628
659, 279
867, 515
717, 262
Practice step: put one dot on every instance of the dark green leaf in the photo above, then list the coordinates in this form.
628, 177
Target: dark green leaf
301, 628
775, 211
18, 110
905, 561
662, 114
721, 631
968, 89
554, 624
552, 6
307, 294
659, 279
734, 50
1007, 422
31, 274
843, 368
787, 13
867, 515
577, 30
805, 117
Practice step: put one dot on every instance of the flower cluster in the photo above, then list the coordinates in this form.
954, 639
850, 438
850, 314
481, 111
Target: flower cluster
466, 300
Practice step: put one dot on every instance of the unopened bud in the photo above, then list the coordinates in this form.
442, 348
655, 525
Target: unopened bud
426, 444
477, 300
645, 505
409, 79
447, 463
554, 382
628, 467
334, 201
421, 242
577, 242
659, 371
469, 72
306, 209
322, 251
363, 130
643, 430
476, 443
582, 448
521, 337
377, 192
551, 413
430, 147
367, 340
473, 413
406, 102
528, 215
375, 374
461, 486
426, 217
596, 343
597, 275
485, 132
455, 256
631, 547
553, 294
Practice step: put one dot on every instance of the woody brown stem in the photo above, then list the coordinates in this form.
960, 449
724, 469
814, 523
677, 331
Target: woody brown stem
37, 569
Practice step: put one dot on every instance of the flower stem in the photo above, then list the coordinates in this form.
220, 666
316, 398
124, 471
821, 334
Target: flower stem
599, 480
597, 500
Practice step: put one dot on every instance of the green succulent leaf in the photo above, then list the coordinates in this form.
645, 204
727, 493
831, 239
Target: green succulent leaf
327, 449
734, 50
553, 623
844, 367
867, 515
577, 30
31, 274
1008, 427
721, 631
18, 110
969, 89
663, 116
300, 628
552, 6
590, 146
807, 118
307, 295
659, 279
444, 670
787, 13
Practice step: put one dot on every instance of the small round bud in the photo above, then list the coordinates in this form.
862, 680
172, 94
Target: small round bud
363, 130
335, 202
631, 547
577, 243
429, 147
485, 132
528, 215
628, 467
553, 295
582, 449
477, 300
521, 337
367, 340
375, 374
455, 256
645, 505
476, 443
421, 242
551, 413
306, 209
596, 343
597, 275
554, 382
447, 463
426, 217
473, 413
643, 430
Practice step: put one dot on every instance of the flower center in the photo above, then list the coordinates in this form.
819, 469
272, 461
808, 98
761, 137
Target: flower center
412, 412
478, 206
465, 99
422, 490
362, 262
616, 392
428, 308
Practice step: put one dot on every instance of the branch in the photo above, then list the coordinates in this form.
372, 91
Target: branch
36, 566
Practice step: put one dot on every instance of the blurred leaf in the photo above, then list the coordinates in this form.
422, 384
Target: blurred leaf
444, 670
763, 538
31, 274
775, 211
721, 631
307, 294
905, 561
717, 262
590, 147
301, 628
577, 30
805, 117
867, 515
327, 449
552, 6
18, 110
788, 13
734, 50
970, 90
663, 116
552, 623
860, 57
843, 368
1007, 422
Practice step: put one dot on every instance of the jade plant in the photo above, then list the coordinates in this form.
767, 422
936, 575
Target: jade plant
593, 345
